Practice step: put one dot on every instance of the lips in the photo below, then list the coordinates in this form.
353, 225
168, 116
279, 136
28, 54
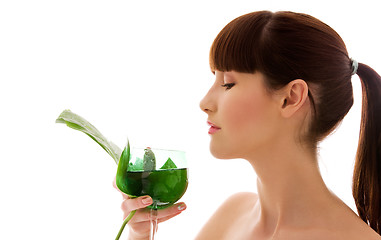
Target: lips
213, 128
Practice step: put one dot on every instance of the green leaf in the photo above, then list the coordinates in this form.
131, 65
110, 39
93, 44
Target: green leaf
169, 164
77, 122
121, 174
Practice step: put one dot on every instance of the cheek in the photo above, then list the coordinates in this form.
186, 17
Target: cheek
247, 122
252, 124
245, 113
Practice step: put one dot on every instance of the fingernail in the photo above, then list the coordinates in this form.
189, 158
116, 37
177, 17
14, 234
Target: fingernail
147, 201
181, 207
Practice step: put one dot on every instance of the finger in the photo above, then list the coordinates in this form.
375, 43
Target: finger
129, 205
144, 227
167, 213
167, 218
171, 211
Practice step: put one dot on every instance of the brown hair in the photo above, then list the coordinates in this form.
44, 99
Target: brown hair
285, 46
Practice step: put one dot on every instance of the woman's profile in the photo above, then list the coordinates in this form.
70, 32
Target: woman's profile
282, 84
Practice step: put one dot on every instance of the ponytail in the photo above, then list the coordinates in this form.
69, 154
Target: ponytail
367, 170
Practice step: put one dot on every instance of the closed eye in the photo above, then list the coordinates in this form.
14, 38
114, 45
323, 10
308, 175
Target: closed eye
228, 85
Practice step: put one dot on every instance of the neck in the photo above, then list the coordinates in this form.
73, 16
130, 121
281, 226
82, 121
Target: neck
290, 188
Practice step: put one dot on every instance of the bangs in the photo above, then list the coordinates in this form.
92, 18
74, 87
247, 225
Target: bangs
238, 46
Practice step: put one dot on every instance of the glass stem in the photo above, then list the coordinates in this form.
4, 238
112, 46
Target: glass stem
128, 218
153, 220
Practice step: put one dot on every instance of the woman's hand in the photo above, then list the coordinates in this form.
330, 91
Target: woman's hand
140, 222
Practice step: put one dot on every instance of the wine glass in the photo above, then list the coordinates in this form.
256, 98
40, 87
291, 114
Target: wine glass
160, 173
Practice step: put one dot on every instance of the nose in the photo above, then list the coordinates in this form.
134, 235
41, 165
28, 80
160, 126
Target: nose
207, 104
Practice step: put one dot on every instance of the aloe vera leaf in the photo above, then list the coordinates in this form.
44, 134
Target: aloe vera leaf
121, 183
121, 173
169, 164
77, 122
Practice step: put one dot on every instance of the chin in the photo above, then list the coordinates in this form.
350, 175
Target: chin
220, 153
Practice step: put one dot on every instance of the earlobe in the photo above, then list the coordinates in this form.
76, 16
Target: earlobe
295, 95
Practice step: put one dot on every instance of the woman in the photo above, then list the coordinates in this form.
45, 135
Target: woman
282, 84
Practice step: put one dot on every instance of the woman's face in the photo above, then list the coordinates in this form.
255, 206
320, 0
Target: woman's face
242, 114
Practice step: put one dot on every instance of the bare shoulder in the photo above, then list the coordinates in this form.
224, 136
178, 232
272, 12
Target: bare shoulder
353, 227
220, 222
349, 228
350, 234
236, 202
363, 232
241, 198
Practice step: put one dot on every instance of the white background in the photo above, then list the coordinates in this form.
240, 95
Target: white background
136, 69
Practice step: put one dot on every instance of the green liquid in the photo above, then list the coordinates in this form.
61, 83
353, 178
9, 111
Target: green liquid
164, 186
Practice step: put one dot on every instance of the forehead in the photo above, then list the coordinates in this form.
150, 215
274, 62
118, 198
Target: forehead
257, 76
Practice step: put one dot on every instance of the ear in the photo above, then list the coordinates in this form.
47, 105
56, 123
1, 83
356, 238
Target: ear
295, 95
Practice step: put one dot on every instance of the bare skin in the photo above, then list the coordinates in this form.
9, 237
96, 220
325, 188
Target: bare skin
265, 129
292, 201
240, 218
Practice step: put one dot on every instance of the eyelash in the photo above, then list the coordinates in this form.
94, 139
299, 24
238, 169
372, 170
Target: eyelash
228, 85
